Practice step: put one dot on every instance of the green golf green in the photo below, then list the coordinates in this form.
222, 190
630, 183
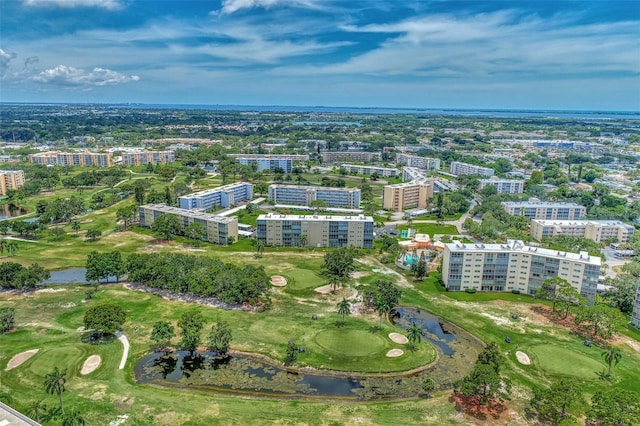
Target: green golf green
69, 357
559, 360
350, 342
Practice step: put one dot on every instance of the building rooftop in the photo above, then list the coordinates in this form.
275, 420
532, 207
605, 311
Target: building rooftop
539, 204
368, 166
271, 156
196, 214
497, 179
315, 217
220, 188
582, 222
517, 246
330, 188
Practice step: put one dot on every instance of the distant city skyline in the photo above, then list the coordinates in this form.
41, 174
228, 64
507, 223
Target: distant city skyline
562, 55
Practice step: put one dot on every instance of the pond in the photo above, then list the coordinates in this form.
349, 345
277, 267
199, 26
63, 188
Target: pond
70, 276
11, 210
247, 374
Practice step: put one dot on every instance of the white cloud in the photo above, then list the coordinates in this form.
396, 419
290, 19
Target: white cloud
5, 58
69, 76
69, 4
231, 6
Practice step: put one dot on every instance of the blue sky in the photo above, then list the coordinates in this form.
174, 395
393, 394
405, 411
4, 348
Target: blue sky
405, 53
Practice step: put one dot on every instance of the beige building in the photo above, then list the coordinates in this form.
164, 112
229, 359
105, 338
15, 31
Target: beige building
315, 230
516, 266
148, 157
417, 161
503, 186
10, 179
218, 229
407, 195
78, 159
596, 230
359, 156
536, 209
369, 170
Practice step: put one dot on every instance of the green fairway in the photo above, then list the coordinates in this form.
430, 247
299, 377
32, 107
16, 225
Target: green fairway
346, 342
557, 360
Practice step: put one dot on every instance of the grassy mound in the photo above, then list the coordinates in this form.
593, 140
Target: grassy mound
350, 342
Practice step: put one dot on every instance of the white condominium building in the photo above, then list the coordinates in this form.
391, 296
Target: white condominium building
458, 168
79, 159
217, 229
535, 209
516, 266
315, 230
596, 230
407, 195
362, 156
417, 161
10, 179
304, 195
222, 196
369, 170
503, 186
285, 162
148, 157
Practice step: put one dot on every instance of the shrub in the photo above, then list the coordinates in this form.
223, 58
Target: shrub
515, 291
470, 290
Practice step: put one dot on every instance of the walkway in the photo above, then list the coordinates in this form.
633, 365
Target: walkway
125, 353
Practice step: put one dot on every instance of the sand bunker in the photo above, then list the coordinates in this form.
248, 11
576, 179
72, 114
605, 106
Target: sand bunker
325, 289
20, 358
523, 358
91, 364
395, 353
278, 281
398, 338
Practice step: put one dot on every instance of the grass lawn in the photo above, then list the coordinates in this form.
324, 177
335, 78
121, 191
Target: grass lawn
562, 361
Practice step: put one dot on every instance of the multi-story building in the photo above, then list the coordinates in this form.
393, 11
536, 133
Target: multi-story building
407, 195
78, 159
10, 179
635, 319
417, 161
544, 210
516, 266
270, 162
222, 196
218, 229
369, 170
458, 168
304, 195
148, 157
9, 158
361, 156
596, 230
503, 186
315, 230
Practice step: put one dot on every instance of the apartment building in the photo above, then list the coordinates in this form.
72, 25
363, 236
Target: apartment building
516, 266
271, 161
359, 156
10, 179
535, 209
315, 230
77, 159
407, 195
304, 195
9, 158
222, 196
596, 230
218, 229
369, 170
425, 163
635, 318
148, 157
458, 168
503, 186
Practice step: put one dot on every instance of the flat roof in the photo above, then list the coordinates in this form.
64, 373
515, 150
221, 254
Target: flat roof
315, 217
517, 246
582, 222
539, 204
196, 214
368, 167
326, 188
11, 417
271, 156
212, 190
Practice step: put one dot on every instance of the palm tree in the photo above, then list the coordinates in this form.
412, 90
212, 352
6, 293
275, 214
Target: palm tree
54, 383
303, 240
75, 225
36, 409
612, 356
344, 308
414, 334
73, 419
260, 246
3, 245
11, 247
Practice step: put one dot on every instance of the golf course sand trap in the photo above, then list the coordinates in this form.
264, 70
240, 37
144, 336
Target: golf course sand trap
20, 358
90, 364
398, 338
325, 289
395, 353
523, 358
278, 281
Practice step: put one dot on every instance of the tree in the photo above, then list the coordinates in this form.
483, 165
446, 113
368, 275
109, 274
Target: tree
428, 386
303, 240
602, 319
491, 356
104, 318
73, 418
54, 384
260, 247
162, 333
7, 319
485, 382
220, 338
552, 404
612, 356
195, 231
75, 226
230, 240
292, 353
166, 225
338, 264
344, 309
138, 192
191, 323
623, 292
614, 407
386, 297
36, 408
414, 335
126, 215
419, 268
93, 234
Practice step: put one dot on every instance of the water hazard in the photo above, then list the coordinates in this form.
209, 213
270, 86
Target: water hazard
11, 210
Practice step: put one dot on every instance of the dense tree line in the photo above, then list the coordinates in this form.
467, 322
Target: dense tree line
182, 273
17, 277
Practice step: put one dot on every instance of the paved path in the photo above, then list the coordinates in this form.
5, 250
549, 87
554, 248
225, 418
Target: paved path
125, 353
